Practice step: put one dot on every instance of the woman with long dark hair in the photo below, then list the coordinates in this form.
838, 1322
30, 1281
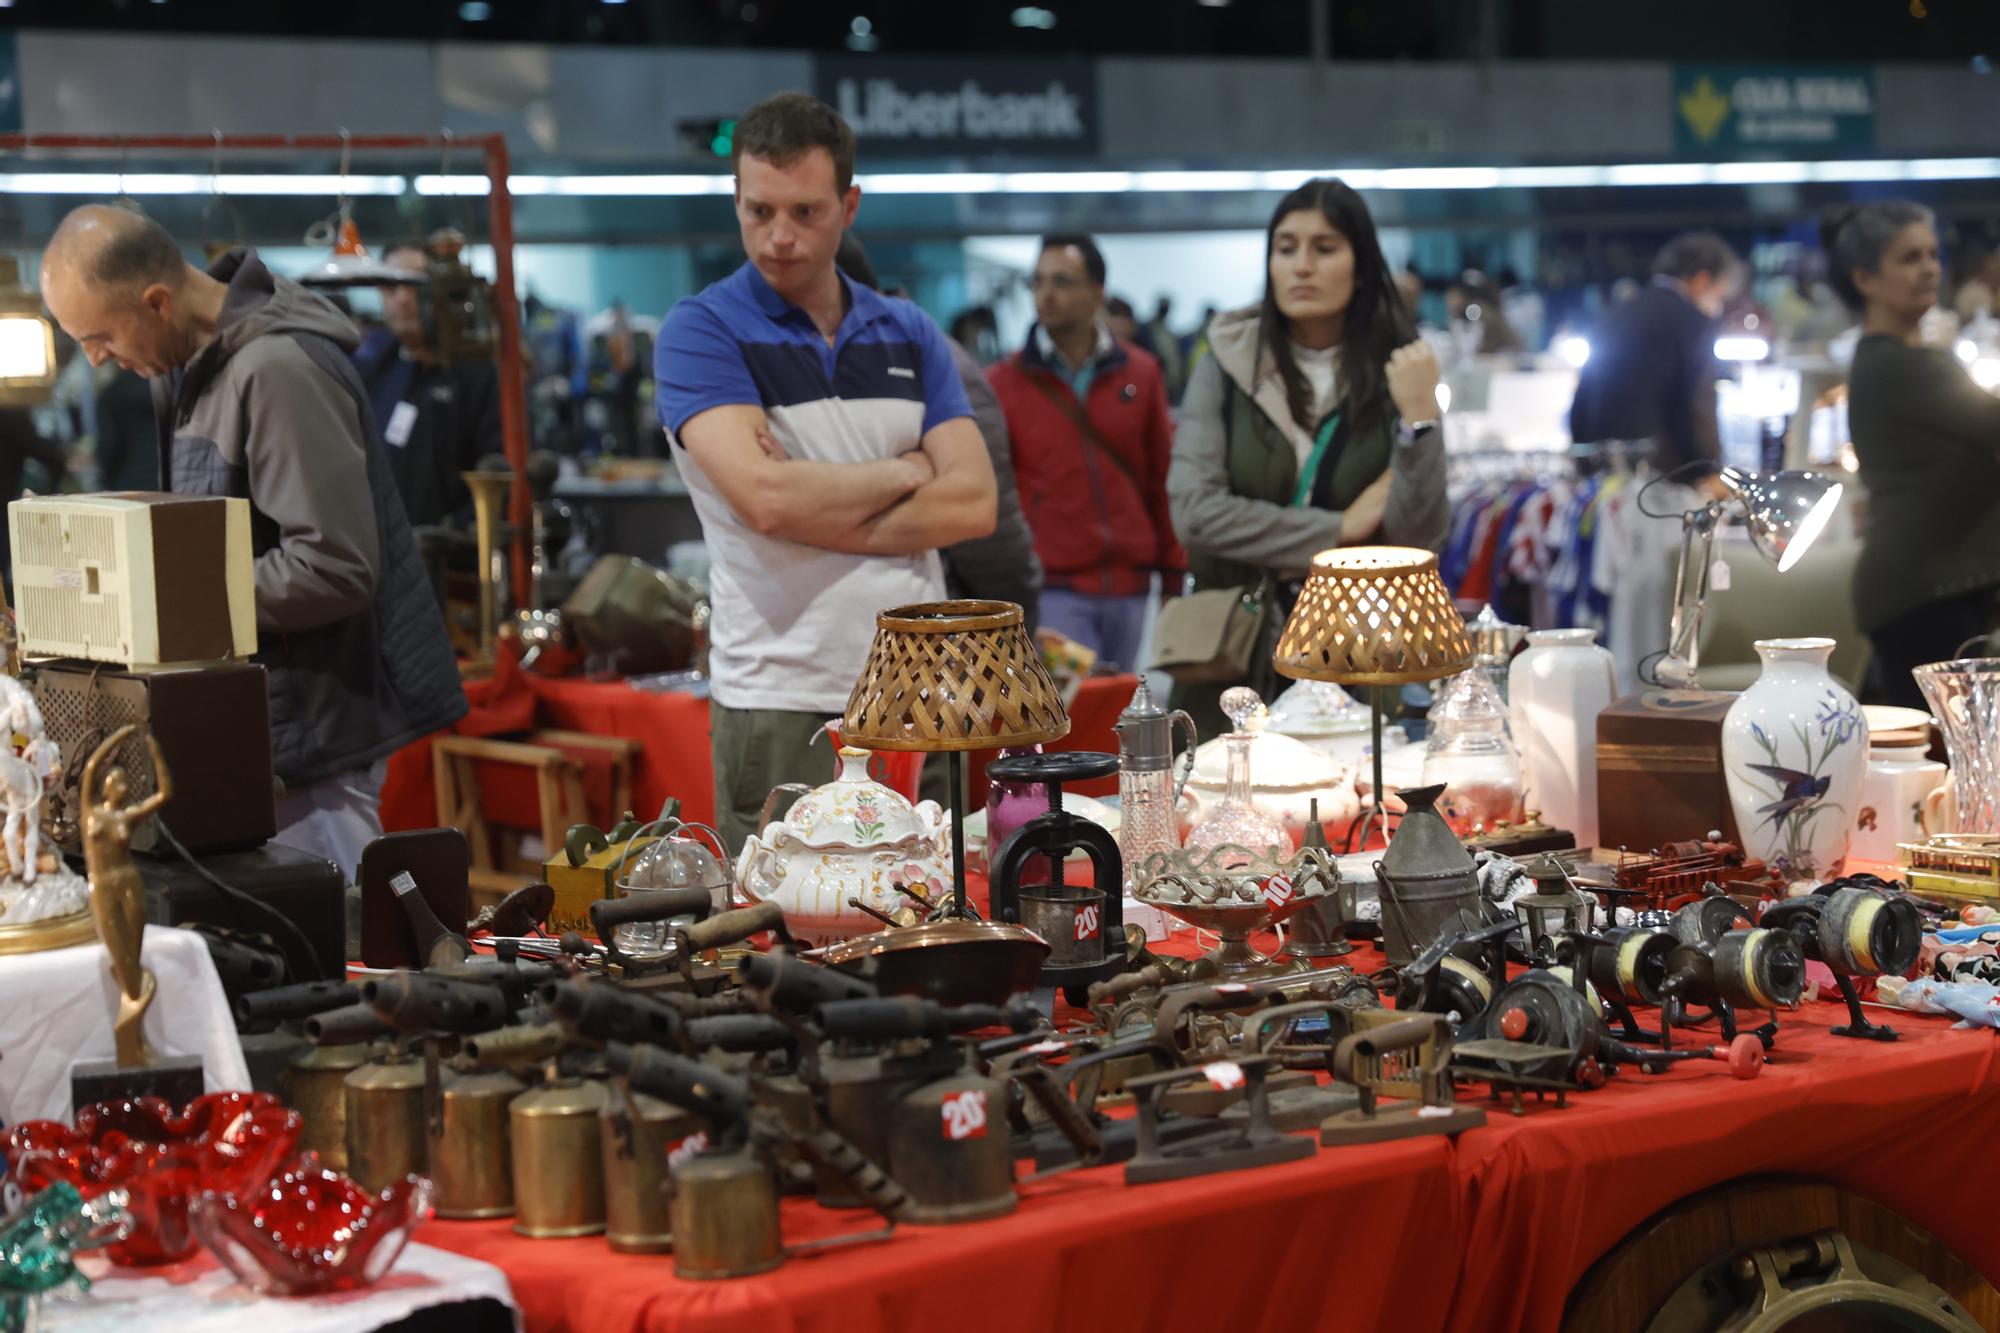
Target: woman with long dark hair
1928, 440
1312, 422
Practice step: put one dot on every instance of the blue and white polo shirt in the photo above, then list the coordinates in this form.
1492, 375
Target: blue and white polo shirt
793, 622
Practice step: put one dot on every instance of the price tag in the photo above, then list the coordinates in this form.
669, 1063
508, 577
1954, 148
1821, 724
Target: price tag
1718, 576
693, 1144
1224, 1075
964, 1115
1086, 922
1278, 890
403, 883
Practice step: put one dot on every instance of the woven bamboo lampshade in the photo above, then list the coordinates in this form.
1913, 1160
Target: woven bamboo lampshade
1374, 615
950, 676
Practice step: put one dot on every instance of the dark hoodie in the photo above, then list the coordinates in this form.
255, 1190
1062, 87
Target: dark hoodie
270, 409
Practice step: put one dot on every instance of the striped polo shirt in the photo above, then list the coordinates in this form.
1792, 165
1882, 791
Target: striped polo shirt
792, 623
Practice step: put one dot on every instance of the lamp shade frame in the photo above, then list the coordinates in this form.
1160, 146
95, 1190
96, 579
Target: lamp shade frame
1374, 615
953, 676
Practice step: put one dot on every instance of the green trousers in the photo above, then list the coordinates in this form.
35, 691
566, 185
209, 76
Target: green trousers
755, 749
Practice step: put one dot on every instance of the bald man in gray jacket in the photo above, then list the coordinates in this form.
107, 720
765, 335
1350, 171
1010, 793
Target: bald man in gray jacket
254, 397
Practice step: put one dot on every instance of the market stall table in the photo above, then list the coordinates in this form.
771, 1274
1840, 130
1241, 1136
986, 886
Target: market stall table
1491, 1232
56, 1009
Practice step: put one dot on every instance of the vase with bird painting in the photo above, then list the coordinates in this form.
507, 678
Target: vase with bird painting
1794, 752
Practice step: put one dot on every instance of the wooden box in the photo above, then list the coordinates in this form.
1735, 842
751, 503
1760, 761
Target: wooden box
577, 887
1659, 769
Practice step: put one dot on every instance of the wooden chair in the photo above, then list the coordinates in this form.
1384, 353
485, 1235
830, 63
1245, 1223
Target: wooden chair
555, 762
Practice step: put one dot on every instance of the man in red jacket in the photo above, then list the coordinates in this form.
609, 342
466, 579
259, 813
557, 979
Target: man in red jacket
1092, 438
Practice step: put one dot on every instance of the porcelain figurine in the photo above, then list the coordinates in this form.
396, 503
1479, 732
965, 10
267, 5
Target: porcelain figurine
852, 838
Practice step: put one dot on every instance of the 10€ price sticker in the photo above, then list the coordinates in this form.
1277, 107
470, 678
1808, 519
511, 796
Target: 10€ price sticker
964, 1114
1278, 890
1223, 1075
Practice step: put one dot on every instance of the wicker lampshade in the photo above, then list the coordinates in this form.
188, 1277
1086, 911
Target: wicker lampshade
953, 676
1374, 615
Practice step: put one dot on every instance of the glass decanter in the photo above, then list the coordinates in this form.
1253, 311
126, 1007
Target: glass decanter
1148, 791
1471, 754
1235, 820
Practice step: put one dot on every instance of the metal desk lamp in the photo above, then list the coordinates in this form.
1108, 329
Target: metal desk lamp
1785, 511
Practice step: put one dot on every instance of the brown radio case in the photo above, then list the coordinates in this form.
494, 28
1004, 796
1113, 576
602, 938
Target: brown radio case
1659, 769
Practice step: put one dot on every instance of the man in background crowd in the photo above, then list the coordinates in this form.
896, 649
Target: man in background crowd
1093, 436
436, 420
1651, 372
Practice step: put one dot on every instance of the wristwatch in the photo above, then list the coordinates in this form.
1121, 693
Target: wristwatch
1407, 431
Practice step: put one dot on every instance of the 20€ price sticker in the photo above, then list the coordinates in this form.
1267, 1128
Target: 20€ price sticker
1086, 922
964, 1114
1277, 890
1224, 1075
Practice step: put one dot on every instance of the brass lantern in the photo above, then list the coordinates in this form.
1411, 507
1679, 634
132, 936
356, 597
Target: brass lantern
458, 303
27, 342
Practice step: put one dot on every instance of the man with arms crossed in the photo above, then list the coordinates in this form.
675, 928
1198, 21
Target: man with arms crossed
829, 449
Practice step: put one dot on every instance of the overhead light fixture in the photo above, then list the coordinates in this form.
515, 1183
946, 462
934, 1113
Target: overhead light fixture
1574, 351
1966, 350
861, 34
1028, 16
475, 11
1737, 348
112, 183
350, 264
27, 342
1386, 179
1986, 372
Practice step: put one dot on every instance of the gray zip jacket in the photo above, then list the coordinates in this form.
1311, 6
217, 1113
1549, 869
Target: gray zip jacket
1214, 519
271, 410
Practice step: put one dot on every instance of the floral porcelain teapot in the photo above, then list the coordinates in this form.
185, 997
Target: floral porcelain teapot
852, 838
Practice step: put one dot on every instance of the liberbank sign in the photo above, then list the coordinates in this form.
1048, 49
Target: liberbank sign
963, 108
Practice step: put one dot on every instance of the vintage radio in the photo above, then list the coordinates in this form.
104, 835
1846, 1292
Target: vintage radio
213, 724
1659, 769
133, 577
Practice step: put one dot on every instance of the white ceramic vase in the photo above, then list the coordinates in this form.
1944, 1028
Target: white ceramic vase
1556, 687
1794, 752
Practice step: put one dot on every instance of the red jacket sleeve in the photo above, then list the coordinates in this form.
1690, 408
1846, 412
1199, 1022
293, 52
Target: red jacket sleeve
1172, 560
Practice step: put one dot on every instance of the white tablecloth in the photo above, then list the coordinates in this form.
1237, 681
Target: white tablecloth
56, 1009
200, 1296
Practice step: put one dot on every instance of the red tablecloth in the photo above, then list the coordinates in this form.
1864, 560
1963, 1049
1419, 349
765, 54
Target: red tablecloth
1488, 1233
674, 730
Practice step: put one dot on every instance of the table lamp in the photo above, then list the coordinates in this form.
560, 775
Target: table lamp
27, 342
1785, 511
951, 677
1374, 615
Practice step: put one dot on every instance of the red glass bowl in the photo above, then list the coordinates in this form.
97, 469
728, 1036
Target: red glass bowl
223, 1140
308, 1230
